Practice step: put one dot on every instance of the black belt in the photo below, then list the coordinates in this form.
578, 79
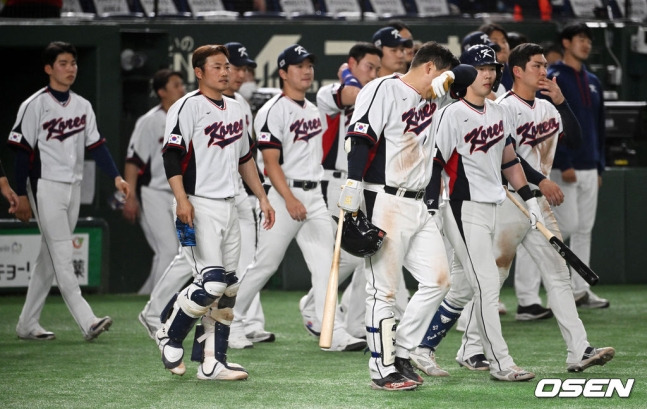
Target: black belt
305, 184
411, 194
535, 192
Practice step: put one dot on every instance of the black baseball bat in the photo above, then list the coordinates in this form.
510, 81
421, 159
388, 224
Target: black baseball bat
562, 249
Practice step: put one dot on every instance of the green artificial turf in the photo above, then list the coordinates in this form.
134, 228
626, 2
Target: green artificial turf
122, 368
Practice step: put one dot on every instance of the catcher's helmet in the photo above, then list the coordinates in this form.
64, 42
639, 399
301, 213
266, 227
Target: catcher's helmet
359, 237
478, 55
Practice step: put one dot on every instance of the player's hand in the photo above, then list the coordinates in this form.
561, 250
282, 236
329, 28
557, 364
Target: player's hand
296, 209
440, 85
184, 211
569, 176
11, 197
550, 89
23, 210
122, 186
130, 211
351, 195
268, 213
534, 212
340, 70
552, 192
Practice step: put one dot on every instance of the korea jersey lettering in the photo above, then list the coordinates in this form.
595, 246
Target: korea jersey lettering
145, 148
395, 120
337, 118
472, 161
215, 138
297, 131
57, 133
537, 129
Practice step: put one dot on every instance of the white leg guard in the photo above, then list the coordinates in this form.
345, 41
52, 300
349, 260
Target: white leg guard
381, 341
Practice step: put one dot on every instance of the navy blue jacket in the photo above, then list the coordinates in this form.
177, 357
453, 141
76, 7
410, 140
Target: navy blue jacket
584, 94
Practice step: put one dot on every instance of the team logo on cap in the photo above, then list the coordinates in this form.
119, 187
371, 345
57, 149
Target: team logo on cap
175, 139
486, 52
243, 52
360, 127
299, 50
395, 33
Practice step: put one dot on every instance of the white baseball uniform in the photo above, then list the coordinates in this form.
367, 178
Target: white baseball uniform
57, 136
470, 144
178, 271
295, 129
538, 127
156, 217
395, 120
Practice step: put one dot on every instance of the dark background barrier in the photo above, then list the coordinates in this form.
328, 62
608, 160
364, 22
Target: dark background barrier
117, 59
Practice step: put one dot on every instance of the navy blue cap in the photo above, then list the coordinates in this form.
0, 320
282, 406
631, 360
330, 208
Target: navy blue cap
238, 55
476, 38
390, 37
292, 55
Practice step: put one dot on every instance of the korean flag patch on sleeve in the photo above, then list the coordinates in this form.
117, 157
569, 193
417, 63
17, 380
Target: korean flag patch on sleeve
175, 139
360, 127
264, 137
15, 137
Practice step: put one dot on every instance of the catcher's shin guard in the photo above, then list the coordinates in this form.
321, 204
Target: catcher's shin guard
381, 341
443, 320
166, 312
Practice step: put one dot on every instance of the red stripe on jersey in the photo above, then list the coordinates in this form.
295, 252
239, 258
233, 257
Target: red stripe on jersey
187, 158
371, 155
451, 168
96, 144
330, 135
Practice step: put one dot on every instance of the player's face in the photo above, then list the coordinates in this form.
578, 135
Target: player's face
392, 60
299, 77
498, 38
62, 73
535, 72
214, 76
408, 52
482, 85
237, 76
579, 47
366, 69
174, 89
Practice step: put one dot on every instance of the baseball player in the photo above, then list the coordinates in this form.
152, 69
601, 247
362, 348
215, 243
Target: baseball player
474, 146
178, 272
539, 125
579, 172
389, 168
205, 148
144, 164
335, 102
53, 129
393, 45
289, 131
7, 191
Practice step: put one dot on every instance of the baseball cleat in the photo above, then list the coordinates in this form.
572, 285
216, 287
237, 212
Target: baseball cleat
425, 360
172, 353
237, 340
512, 374
260, 336
38, 335
533, 312
100, 326
592, 300
593, 356
149, 328
222, 372
477, 362
343, 341
393, 382
403, 365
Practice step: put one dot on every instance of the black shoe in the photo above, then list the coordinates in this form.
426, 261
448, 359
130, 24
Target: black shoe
404, 366
475, 363
533, 312
394, 382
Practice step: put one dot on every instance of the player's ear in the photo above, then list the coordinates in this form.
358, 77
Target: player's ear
198, 72
48, 69
352, 63
283, 74
516, 71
